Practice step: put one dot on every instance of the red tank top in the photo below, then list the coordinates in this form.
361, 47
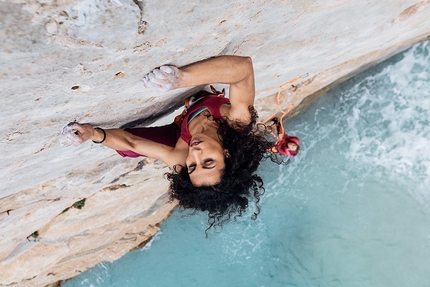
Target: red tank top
212, 102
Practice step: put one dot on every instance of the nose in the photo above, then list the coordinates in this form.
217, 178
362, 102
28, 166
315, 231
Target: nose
194, 151
194, 155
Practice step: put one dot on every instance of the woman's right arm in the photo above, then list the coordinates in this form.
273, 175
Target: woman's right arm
236, 71
118, 139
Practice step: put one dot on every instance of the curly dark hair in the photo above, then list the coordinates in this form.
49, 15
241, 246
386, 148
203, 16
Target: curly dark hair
247, 147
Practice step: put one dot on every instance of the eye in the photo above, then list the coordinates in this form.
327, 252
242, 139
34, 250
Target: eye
208, 161
191, 167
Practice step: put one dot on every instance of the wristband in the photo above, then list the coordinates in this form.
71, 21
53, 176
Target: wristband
104, 136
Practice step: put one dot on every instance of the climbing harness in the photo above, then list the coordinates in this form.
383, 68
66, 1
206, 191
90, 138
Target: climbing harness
276, 128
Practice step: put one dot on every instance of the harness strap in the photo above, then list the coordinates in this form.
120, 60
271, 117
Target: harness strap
189, 102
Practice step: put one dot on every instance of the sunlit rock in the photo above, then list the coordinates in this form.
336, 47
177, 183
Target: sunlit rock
64, 209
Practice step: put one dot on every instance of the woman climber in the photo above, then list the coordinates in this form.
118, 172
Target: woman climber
213, 148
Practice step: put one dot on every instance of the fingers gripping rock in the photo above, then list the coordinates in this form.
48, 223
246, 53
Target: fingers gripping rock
70, 136
162, 79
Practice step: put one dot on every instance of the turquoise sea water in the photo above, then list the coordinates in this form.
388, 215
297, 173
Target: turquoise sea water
353, 209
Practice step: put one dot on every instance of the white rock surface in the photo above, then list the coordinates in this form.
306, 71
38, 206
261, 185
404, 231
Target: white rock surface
83, 60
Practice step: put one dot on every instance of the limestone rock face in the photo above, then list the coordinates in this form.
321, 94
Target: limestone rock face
64, 209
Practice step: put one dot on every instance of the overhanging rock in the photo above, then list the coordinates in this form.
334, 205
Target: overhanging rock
63, 210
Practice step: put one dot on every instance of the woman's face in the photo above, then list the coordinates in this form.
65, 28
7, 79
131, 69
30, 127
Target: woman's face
205, 160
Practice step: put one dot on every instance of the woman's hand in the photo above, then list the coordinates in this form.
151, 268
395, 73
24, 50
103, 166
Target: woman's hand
163, 79
75, 134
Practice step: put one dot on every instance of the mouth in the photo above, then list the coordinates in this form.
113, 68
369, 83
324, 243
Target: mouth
195, 142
